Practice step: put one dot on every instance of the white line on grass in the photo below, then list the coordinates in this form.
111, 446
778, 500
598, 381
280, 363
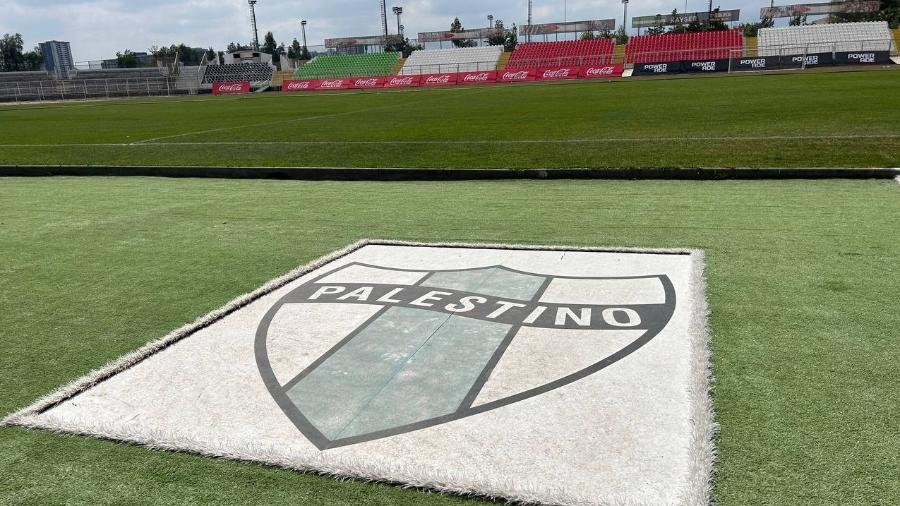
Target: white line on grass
460, 142
281, 122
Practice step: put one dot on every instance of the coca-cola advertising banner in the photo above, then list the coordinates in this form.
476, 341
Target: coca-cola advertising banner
363, 83
448, 79
238, 88
512, 76
402, 81
335, 84
601, 71
301, 85
483, 77
556, 73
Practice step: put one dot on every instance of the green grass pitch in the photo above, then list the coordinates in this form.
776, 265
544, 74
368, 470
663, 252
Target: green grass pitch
844, 119
802, 275
802, 285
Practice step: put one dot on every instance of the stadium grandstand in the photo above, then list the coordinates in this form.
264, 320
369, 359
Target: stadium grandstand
867, 36
683, 46
470, 59
128, 73
232, 72
349, 65
567, 53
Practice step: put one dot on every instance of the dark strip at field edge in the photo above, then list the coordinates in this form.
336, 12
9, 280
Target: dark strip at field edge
420, 174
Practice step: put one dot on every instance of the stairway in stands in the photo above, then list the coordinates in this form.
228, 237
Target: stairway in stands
504, 59
618, 55
395, 71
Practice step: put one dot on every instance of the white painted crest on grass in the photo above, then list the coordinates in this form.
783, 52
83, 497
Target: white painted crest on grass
548, 375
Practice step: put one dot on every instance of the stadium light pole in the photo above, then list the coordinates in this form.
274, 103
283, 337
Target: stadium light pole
397, 12
490, 23
625, 16
253, 22
528, 34
303, 32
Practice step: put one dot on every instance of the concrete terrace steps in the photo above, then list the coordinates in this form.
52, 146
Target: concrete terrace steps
395, 71
503, 61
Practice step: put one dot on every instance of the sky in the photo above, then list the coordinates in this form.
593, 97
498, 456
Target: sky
98, 29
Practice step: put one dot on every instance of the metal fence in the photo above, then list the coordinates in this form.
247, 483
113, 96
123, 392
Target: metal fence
30, 91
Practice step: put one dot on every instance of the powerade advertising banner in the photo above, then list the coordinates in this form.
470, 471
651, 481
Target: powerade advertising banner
756, 63
649, 69
237, 88
810, 60
863, 58
705, 66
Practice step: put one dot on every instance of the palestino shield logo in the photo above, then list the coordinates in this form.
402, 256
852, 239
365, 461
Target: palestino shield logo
365, 351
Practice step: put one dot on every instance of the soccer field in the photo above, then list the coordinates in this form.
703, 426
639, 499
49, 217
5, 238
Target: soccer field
802, 283
846, 119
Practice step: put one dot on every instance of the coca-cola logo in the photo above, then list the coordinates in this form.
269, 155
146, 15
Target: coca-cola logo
401, 81
231, 88
298, 85
332, 84
555, 74
444, 79
600, 71
515, 76
368, 83
474, 78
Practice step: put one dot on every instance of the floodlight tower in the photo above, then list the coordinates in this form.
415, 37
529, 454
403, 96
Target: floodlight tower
253, 22
625, 16
530, 9
303, 31
384, 29
397, 12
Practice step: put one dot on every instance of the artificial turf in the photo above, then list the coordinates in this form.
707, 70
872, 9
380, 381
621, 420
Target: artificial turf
802, 280
846, 119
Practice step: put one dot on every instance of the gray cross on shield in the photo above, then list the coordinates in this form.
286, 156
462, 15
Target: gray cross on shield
433, 340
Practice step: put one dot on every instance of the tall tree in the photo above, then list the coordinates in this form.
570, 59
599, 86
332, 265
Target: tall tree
11, 57
271, 47
127, 59
457, 27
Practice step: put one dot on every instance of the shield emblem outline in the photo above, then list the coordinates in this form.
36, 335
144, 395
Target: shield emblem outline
322, 442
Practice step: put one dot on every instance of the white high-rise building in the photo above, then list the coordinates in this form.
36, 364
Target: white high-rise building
58, 58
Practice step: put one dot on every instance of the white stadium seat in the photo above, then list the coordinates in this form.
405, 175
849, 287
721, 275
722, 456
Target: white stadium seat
839, 37
469, 59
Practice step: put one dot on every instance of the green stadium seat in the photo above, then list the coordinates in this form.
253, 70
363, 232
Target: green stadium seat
348, 65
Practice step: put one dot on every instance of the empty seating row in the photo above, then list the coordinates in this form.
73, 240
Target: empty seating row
253, 72
138, 73
869, 36
469, 59
349, 65
683, 46
12, 77
563, 54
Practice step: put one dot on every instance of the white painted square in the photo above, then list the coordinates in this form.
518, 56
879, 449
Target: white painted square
590, 387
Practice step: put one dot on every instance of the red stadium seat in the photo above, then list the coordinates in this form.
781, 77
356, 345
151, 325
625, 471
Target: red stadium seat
562, 54
683, 46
